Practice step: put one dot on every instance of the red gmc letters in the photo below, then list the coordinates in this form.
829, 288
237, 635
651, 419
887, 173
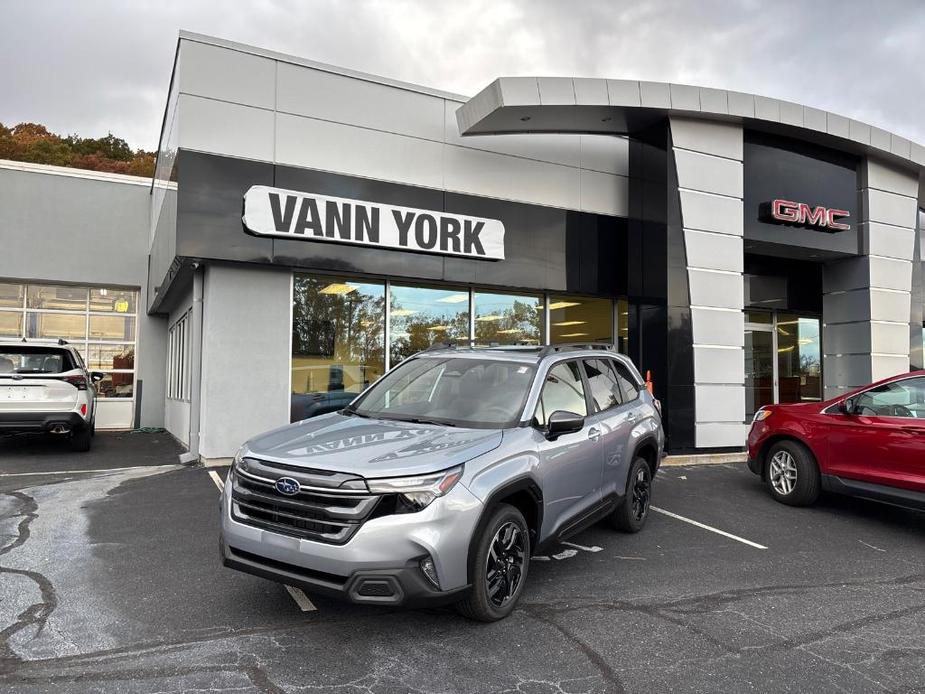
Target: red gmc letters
826, 218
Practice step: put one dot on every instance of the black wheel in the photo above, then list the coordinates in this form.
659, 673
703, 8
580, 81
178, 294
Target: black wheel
80, 440
633, 511
792, 474
502, 559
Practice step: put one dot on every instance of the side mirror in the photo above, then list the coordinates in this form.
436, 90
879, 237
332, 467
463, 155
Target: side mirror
847, 406
97, 376
562, 422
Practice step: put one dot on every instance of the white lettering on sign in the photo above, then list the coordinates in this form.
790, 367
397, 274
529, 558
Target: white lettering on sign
826, 218
308, 217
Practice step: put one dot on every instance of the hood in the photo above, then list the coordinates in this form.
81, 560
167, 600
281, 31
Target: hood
372, 447
814, 406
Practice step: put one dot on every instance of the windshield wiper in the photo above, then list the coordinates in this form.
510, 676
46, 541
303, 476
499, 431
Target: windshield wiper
424, 420
350, 410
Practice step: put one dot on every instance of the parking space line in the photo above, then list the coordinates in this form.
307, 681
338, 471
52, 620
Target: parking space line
301, 599
83, 472
710, 528
593, 548
217, 479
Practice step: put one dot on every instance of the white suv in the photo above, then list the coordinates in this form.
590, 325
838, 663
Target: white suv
47, 388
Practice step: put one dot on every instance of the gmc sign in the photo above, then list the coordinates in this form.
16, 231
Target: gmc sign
802, 214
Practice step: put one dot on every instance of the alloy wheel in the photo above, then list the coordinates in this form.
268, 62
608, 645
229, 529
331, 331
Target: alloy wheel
783, 472
641, 493
505, 563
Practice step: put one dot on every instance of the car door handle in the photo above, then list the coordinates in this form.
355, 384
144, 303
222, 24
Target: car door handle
630, 416
594, 433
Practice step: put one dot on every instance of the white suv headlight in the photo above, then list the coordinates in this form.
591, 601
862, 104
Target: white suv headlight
418, 491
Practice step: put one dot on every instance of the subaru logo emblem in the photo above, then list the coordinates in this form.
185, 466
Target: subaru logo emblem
287, 486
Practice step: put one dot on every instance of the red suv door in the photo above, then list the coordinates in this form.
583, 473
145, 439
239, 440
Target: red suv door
883, 440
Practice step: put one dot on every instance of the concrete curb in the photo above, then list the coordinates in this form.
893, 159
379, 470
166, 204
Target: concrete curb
704, 459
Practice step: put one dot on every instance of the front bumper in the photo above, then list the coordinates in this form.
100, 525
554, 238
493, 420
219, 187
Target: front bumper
22, 422
754, 465
380, 564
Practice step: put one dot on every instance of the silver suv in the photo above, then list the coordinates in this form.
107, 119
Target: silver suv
47, 388
441, 480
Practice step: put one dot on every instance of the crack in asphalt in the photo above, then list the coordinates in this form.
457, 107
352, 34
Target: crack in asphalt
37, 614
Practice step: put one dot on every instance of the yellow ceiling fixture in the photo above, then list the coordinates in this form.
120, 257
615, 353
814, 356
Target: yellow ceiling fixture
403, 312
562, 324
490, 317
339, 288
574, 335
787, 349
508, 331
563, 304
806, 341
454, 299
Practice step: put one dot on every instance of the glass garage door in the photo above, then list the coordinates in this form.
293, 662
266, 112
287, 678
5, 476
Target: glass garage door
99, 321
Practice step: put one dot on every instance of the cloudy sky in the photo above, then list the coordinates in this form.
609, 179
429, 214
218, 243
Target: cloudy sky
96, 66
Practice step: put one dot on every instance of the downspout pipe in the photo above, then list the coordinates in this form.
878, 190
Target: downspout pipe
195, 414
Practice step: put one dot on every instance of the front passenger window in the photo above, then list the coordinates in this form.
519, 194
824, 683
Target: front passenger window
897, 399
563, 390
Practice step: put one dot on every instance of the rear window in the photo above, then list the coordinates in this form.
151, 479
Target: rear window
30, 359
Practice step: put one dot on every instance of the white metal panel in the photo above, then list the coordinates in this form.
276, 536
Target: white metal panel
885, 366
890, 305
721, 139
889, 241
606, 153
714, 251
719, 365
604, 193
346, 149
556, 91
219, 127
709, 173
719, 403
712, 213
890, 273
114, 414
718, 327
882, 176
721, 435
220, 73
889, 338
308, 92
717, 289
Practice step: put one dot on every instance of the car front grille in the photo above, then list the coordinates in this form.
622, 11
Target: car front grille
322, 510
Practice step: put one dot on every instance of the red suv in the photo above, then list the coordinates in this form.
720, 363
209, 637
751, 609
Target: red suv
868, 443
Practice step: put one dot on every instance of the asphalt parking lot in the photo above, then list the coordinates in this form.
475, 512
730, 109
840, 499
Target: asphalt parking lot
110, 581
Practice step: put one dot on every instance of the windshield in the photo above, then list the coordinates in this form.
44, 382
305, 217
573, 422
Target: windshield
478, 393
33, 360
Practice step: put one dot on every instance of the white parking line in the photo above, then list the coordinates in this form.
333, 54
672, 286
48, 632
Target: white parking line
217, 479
710, 528
301, 599
83, 472
592, 548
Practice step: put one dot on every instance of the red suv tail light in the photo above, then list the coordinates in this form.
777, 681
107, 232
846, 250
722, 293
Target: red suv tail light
79, 382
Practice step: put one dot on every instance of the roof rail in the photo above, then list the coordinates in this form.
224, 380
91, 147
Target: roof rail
62, 342
569, 346
450, 344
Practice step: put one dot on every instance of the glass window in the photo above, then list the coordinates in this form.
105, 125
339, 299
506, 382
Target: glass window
623, 331
602, 380
563, 390
799, 365
54, 326
759, 369
419, 317
898, 399
117, 328
120, 385
506, 319
112, 300
111, 357
762, 317
457, 390
32, 359
338, 342
61, 297
628, 386
579, 319
11, 295
11, 324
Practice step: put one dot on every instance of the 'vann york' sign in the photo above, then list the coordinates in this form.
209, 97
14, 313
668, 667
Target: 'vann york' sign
308, 217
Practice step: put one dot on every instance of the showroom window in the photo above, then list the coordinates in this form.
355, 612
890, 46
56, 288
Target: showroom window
347, 332
98, 321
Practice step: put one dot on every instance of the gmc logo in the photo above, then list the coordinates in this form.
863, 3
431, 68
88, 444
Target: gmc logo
799, 213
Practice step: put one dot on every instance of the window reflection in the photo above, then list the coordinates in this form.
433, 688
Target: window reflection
57, 297
623, 326
54, 326
114, 328
116, 385
11, 295
104, 300
508, 319
799, 363
108, 357
10, 324
338, 341
580, 319
420, 316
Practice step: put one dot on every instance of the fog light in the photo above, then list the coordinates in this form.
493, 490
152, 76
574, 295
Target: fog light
427, 566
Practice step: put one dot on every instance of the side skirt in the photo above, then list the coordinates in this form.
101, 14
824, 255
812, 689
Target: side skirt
895, 496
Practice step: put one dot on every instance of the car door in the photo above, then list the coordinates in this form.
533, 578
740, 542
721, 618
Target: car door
614, 415
883, 441
570, 466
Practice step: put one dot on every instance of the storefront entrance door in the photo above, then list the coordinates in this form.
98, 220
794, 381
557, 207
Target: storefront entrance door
783, 361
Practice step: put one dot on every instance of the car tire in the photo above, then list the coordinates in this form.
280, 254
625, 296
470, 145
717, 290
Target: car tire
630, 516
792, 474
492, 596
80, 440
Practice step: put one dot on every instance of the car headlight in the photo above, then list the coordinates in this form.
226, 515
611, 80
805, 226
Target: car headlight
418, 491
761, 415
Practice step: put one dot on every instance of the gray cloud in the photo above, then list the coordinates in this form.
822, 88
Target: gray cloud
104, 65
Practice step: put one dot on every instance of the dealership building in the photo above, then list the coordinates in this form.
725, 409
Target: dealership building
308, 227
